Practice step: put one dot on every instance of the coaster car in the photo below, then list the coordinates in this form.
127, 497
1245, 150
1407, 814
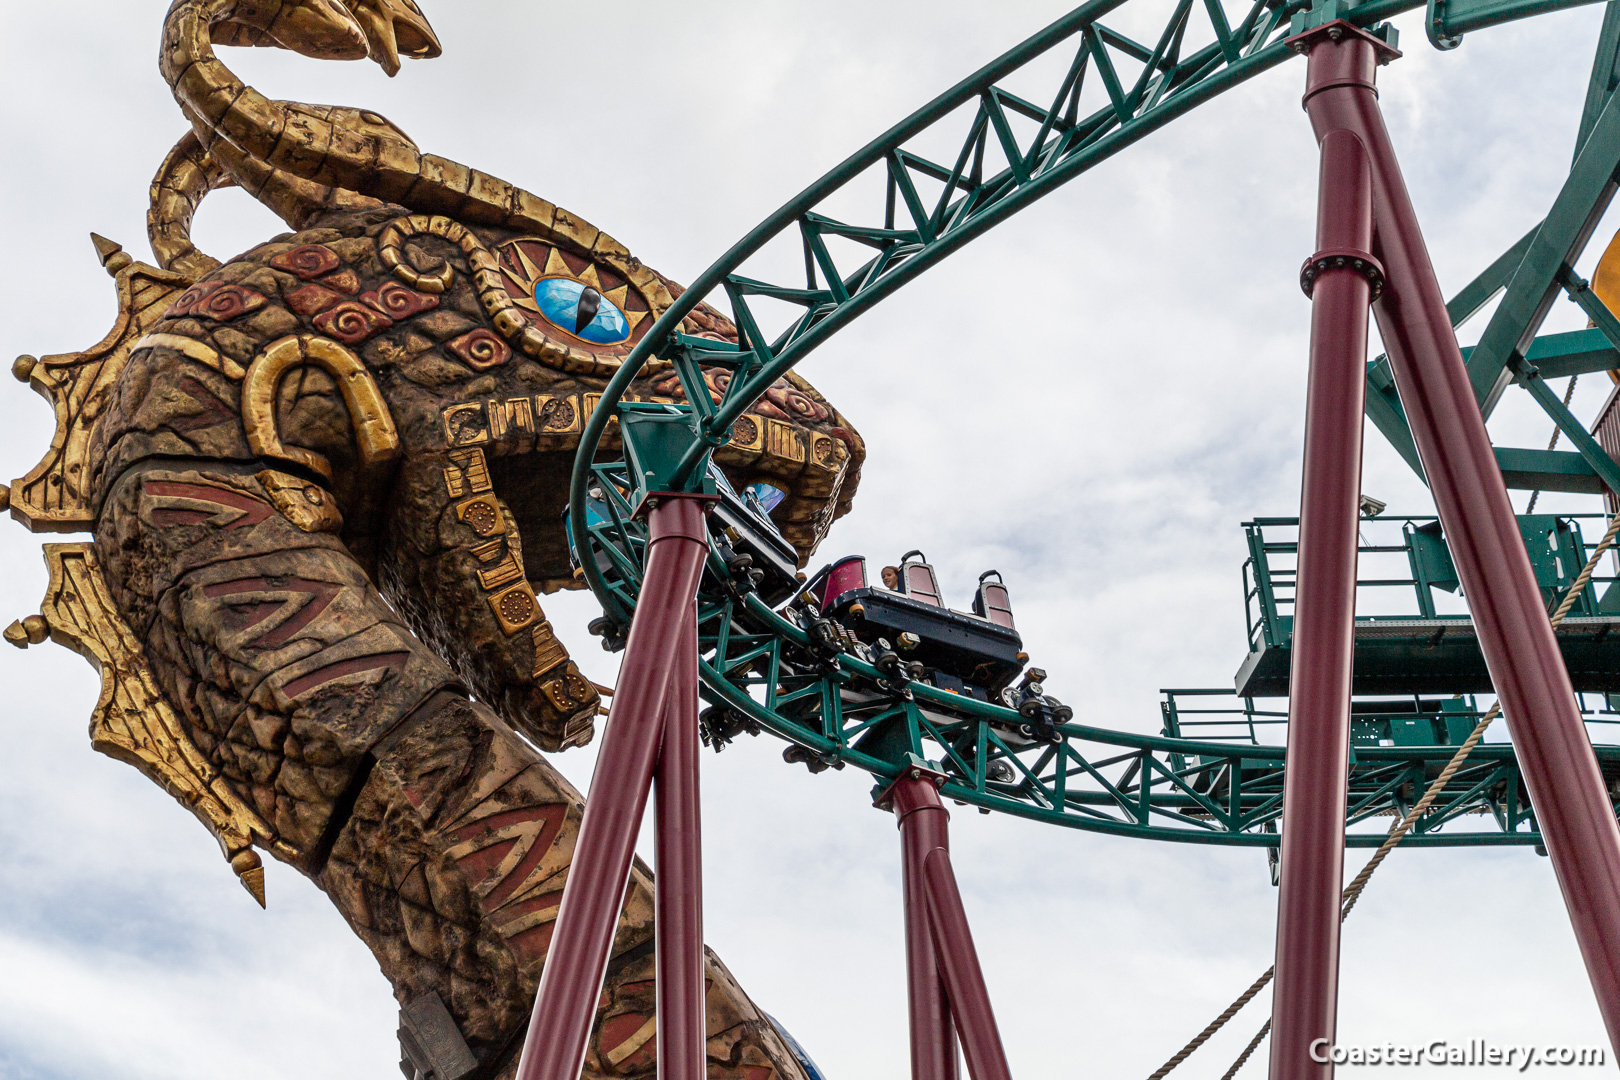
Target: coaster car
755, 553
977, 653
749, 540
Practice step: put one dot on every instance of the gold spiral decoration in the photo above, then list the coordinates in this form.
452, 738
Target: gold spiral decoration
391, 243
351, 322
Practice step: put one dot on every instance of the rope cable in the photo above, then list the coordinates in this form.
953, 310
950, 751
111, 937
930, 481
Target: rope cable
1254, 1043
1216, 1024
1353, 891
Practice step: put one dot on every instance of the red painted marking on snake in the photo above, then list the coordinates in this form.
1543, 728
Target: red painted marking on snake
253, 511
215, 411
533, 942
539, 827
321, 676
618, 1033
319, 594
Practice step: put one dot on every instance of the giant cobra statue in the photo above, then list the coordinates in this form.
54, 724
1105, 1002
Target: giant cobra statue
326, 482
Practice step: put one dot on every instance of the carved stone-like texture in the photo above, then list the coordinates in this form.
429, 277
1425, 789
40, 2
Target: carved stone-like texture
284, 660
258, 589
452, 867
453, 387
443, 838
326, 482
133, 721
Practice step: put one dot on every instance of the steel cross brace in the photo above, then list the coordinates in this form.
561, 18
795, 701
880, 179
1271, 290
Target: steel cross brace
1515, 635
1533, 269
1541, 261
1558, 243
947, 993
1605, 73
1530, 378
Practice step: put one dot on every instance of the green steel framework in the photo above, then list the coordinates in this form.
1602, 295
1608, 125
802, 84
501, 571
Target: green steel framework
842, 710
766, 670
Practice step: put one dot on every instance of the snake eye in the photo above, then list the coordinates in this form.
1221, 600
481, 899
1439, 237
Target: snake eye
581, 311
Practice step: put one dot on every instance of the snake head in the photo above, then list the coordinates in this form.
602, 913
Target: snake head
321, 29
395, 28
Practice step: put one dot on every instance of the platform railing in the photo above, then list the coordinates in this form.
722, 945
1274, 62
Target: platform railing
1428, 588
1221, 716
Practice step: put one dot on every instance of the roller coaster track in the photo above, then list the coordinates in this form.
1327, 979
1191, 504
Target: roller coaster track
763, 670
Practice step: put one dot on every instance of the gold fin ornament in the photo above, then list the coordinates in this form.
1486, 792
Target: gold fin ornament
1606, 285
54, 496
132, 721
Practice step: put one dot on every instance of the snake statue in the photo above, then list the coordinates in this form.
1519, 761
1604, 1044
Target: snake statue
325, 483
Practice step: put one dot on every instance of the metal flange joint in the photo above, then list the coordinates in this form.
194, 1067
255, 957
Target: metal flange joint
1360, 262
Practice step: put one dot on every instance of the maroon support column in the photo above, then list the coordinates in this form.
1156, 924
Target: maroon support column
1340, 279
927, 855
566, 1003
959, 967
1514, 631
933, 1037
682, 1009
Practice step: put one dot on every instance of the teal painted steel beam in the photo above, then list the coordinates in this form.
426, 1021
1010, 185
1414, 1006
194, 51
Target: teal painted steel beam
1593, 454
1465, 16
1492, 280
765, 667
1605, 73
1384, 409
1580, 291
1065, 146
1065, 158
1577, 352
1558, 243
765, 670
1146, 89
1557, 356
1547, 470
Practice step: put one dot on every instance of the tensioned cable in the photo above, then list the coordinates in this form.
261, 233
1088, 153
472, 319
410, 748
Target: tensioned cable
1243, 1058
1353, 891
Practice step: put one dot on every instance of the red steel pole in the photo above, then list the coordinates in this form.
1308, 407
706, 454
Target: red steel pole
1515, 634
1340, 279
565, 1006
959, 965
678, 855
923, 828
916, 803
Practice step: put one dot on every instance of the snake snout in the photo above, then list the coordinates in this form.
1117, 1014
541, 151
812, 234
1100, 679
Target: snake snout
321, 29
395, 28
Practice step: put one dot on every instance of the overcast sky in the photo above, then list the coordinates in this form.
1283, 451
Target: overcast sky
1090, 399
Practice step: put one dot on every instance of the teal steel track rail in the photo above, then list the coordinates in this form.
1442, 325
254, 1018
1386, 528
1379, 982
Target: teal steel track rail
769, 670
760, 666
909, 237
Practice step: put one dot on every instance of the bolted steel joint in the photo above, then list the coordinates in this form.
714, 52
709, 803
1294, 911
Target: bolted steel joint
1360, 262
